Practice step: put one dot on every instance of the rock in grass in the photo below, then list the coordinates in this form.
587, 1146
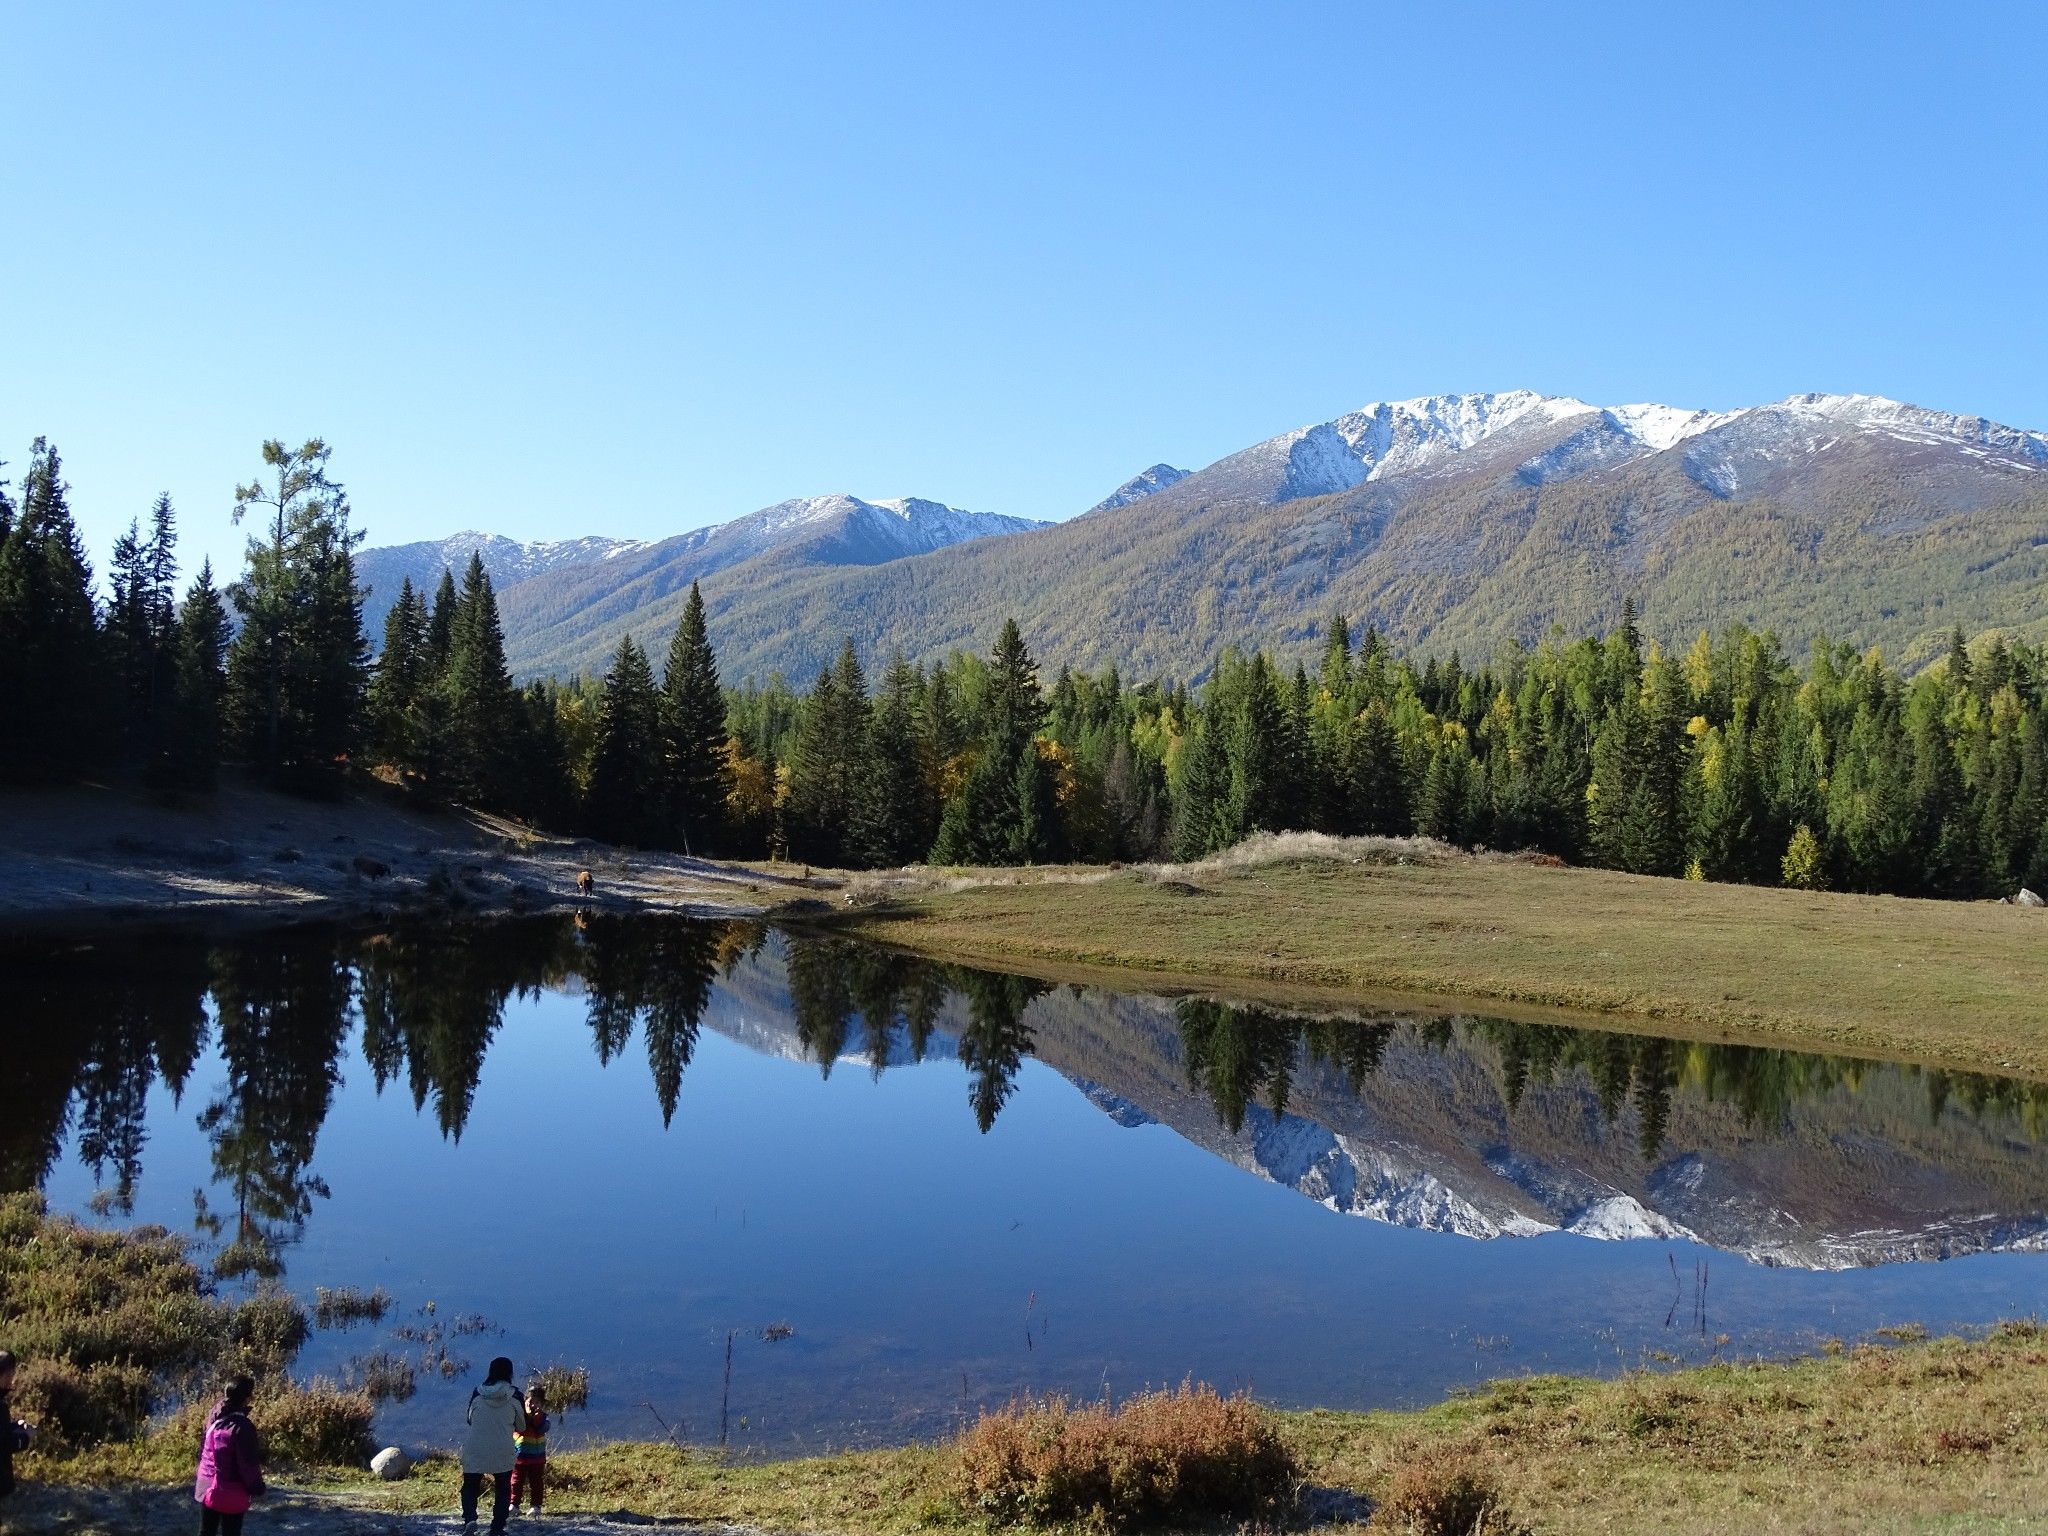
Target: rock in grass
391, 1464
2027, 898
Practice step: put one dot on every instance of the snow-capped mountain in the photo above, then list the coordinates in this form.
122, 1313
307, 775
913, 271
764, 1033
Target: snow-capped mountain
845, 530
580, 583
383, 570
1544, 438
1145, 483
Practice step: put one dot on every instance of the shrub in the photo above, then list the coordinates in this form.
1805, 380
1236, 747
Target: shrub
1163, 1457
1444, 1493
265, 1333
321, 1425
73, 1405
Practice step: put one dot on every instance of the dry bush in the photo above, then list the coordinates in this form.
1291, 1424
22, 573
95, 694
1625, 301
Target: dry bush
319, 1425
73, 1405
1163, 1457
1444, 1493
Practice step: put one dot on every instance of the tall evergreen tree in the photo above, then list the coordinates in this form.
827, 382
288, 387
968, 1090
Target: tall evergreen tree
986, 822
50, 647
625, 800
480, 719
203, 635
693, 723
399, 685
830, 813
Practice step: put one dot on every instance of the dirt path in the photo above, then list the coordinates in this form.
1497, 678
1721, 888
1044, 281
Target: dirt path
90, 855
81, 1511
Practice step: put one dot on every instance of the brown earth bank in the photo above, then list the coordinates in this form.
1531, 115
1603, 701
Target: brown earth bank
93, 855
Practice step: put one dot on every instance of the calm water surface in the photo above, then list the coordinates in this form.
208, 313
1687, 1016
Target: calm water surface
623, 1143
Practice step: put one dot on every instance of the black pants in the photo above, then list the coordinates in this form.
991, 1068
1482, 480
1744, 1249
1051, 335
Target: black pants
213, 1523
472, 1485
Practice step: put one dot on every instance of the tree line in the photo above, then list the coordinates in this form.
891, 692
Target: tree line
1727, 762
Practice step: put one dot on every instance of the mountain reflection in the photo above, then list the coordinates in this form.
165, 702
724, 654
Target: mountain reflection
93, 1028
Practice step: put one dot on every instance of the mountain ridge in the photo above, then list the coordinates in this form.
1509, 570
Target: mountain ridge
1447, 521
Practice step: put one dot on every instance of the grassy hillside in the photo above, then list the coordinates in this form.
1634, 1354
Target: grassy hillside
1943, 983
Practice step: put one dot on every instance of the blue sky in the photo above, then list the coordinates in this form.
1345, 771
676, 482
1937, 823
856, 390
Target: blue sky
554, 270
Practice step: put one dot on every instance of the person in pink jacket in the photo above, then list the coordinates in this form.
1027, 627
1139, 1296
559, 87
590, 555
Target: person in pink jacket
230, 1463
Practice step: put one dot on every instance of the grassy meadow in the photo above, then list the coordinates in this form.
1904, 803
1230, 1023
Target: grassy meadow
1317, 922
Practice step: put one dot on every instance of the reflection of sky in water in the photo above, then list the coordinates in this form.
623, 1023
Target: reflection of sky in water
926, 1267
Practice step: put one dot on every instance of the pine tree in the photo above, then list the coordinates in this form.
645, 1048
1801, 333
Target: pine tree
480, 722
1204, 790
906, 815
1377, 790
299, 662
203, 635
831, 812
50, 649
694, 725
625, 799
985, 823
441, 623
399, 685
141, 636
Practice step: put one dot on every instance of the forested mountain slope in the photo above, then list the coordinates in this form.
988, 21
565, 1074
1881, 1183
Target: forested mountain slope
1457, 521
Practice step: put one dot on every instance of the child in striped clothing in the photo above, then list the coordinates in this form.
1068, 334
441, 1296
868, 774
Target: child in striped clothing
530, 1467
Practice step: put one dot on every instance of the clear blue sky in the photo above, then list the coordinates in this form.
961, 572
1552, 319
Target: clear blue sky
558, 269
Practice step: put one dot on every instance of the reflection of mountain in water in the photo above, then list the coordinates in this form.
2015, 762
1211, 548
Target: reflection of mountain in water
1492, 1129
1473, 1126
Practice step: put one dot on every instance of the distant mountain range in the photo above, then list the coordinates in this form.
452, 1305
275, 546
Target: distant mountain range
1450, 521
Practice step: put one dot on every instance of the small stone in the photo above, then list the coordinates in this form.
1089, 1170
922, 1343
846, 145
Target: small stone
391, 1464
2027, 898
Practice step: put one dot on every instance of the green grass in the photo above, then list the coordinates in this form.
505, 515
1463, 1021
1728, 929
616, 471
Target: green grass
1948, 984
1945, 1435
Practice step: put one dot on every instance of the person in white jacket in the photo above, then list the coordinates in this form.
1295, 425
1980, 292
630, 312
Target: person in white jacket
495, 1415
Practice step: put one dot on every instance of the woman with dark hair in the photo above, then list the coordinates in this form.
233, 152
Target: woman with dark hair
495, 1416
230, 1462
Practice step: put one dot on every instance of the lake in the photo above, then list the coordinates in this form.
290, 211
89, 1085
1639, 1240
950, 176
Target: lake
806, 1194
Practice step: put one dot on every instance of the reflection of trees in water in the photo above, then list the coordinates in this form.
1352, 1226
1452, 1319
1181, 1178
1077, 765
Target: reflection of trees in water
833, 980
281, 1007
94, 1029
1239, 1056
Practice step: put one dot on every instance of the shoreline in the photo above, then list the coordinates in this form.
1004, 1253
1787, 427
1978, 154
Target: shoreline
1311, 924
1867, 1436
92, 858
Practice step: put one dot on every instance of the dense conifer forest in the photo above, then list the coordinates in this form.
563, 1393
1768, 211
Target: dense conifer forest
1726, 762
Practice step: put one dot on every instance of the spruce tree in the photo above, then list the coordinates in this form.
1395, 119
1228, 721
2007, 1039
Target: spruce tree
441, 622
480, 722
831, 809
625, 799
1377, 790
693, 724
986, 822
51, 696
399, 684
203, 635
